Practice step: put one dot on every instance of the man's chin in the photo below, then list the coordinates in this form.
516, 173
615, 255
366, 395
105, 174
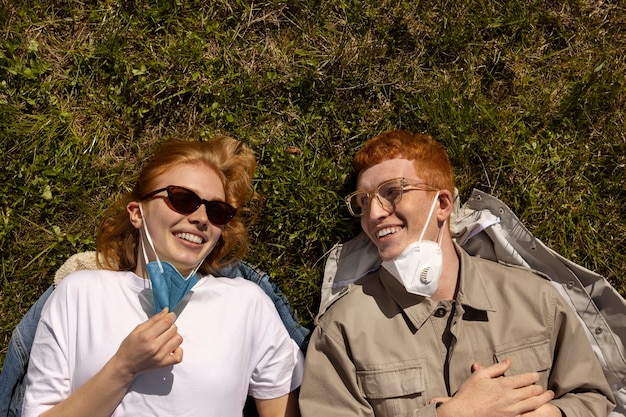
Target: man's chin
389, 254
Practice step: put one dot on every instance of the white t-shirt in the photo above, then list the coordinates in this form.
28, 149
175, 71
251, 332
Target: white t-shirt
234, 344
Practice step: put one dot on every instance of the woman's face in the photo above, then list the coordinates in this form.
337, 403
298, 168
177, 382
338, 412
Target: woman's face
183, 240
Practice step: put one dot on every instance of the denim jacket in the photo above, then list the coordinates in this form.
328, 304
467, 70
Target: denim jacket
12, 381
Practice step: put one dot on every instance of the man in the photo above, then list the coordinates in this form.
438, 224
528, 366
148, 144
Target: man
435, 332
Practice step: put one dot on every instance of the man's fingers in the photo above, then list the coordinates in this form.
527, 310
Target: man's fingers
534, 402
522, 380
498, 370
528, 391
494, 370
440, 400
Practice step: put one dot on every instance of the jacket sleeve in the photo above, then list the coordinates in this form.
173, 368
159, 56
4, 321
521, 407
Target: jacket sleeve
330, 388
580, 388
12, 377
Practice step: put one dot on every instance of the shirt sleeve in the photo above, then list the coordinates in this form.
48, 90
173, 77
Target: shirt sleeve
576, 377
280, 362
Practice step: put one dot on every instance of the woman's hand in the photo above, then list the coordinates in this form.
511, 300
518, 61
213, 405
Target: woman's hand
153, 344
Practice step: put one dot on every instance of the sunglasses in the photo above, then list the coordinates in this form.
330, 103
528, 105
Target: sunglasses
185, 202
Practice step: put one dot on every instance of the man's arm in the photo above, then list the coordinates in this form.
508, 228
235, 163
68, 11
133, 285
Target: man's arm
329, 387
576, 376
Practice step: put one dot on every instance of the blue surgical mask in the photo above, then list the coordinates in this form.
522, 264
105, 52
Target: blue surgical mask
169, 287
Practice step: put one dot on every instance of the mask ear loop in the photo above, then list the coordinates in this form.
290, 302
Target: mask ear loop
145, 255
197, 267
440, 236
430, 214
143, 247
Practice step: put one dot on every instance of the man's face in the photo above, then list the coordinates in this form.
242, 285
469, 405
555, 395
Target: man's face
393, 229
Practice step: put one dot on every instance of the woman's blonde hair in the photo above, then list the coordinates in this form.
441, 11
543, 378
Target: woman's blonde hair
117, 239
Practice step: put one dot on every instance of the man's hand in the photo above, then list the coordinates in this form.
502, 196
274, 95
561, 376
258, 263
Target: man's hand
488, 393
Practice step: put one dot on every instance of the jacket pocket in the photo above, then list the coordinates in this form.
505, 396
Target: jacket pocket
393, 388
532, 357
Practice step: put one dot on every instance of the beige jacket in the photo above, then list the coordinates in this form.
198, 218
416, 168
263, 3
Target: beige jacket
380, 351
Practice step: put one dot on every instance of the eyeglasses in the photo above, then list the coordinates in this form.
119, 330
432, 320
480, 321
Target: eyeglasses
185, 201
388, 194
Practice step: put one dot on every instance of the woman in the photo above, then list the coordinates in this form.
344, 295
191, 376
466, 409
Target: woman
153, 333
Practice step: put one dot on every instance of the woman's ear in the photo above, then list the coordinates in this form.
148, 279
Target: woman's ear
134, 213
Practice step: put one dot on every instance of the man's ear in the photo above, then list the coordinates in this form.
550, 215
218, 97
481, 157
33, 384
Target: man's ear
446, 204
134, 213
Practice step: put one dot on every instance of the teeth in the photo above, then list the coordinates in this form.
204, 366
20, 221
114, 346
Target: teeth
388, 231
190, 237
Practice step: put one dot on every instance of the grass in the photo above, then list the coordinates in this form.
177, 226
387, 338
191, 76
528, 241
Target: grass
528, 96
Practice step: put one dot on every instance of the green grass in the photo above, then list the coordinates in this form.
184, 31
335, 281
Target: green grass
528, 96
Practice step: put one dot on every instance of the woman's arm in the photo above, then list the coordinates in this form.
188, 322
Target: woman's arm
151, 345
285, 406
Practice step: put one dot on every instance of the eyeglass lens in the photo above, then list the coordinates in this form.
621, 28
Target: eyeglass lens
387, 194
186, 202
